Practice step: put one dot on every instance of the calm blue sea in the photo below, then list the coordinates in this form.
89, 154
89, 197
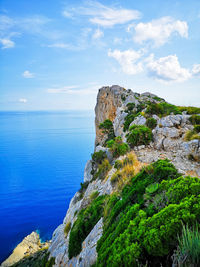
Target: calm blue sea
42, 158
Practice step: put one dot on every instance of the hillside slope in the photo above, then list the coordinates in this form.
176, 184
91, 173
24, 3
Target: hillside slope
139, 186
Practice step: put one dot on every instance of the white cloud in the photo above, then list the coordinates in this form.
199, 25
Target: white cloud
196, 69
97, 34
6, 43
64, 89
27, 74
128, 60
103, 15
159, 31
23, 100
167, 69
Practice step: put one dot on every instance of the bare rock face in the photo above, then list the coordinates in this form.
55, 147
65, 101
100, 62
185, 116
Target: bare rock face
108, 100
29, 245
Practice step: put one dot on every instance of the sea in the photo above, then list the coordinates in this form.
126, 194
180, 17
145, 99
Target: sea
42, 159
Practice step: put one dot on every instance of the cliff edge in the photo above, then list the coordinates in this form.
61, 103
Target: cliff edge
133, 131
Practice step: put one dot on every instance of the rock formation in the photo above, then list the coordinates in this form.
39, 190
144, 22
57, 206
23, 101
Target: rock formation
29, 245
168, 142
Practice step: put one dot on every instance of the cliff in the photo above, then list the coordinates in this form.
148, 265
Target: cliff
140, 188
171, 136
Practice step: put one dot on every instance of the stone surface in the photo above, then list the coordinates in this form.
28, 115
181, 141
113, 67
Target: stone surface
87, 171
139, 120
29, 245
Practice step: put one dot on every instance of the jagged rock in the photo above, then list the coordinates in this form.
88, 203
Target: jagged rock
88, 254
29, 245
139, 120
108, 100
192, 148
118, 123
87, 171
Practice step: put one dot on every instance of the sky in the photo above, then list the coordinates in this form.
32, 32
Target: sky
55, 55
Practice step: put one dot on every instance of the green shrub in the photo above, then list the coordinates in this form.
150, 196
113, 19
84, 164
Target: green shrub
190, 110
128, 119
188, 251
83, 189
107, 127
98, 157
195, 119
87, 219
139, 135
67, 228
191, 135
118, 164
94, 195
117, 147
137, 231
162, 109
197, 128
151, 123
130, 106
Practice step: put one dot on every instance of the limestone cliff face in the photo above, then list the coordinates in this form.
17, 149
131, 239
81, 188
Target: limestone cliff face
108, 100
168, 142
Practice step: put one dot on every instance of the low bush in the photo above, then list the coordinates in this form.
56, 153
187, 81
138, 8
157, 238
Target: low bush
137, 231
87, 219
195, 119
162, 109
190, 110
83, 189
197, 128
98, 157
139, 135
94, 195
151, 123
107, 127
67, 228
117, 147
130, 106
128, 119
191, 135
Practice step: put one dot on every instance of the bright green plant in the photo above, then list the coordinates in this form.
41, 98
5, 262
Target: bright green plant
87, 218
151, 123
152, 188
118, 147
162, 109
190, 110
139, 135
195, 119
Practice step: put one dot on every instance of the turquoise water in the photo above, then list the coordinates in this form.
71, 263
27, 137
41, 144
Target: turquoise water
42, 158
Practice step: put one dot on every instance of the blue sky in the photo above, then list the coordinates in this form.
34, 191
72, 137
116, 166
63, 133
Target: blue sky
55, 55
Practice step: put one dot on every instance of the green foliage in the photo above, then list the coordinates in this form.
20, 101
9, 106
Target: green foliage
107, 127
152, 188
188, 251
67, 228
158, 98
98, 157
162, 109
130, 106
117, 147
195, 119
192, 134
102, 170
87, 219
118, 164
94, 195
137, 230
128, 119
197, 128
151, 123
139, 135
190, 110
83, 189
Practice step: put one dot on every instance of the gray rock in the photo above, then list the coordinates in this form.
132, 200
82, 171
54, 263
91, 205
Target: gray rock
108, 153
140, 120
87, 171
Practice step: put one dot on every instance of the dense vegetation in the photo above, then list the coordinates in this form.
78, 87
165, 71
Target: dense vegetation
151, 123
193, 134
162, 109
139, 135
142, 224
117, 147
87, 218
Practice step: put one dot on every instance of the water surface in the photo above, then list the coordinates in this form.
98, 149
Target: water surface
42, 158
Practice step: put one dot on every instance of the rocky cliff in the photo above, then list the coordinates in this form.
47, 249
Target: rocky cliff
171, 134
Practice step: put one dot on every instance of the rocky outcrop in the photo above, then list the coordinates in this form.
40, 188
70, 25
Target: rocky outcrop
108, 100
29, 245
